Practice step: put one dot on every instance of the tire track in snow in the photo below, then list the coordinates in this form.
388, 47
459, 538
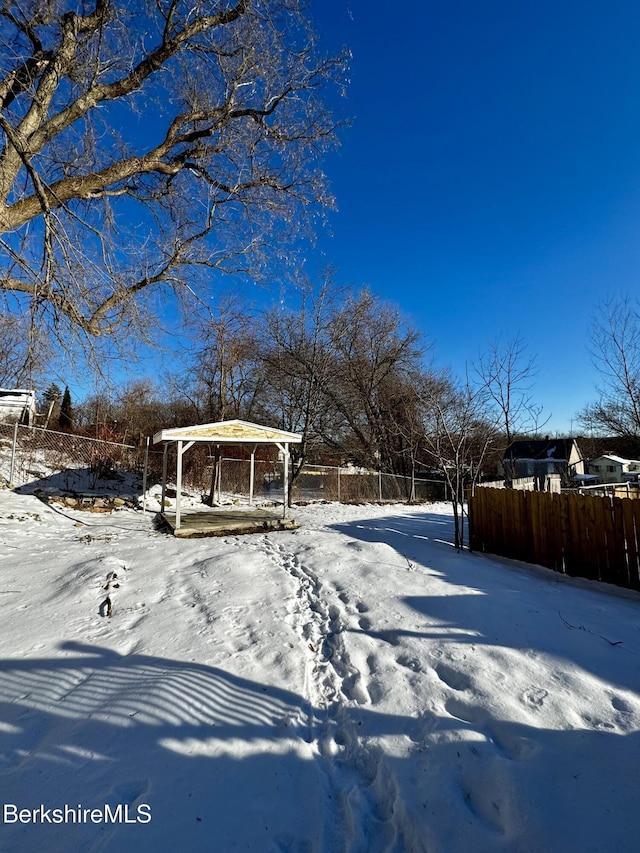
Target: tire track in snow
363, 806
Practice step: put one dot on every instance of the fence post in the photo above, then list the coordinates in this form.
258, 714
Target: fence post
380, 486
339, 501
12, 467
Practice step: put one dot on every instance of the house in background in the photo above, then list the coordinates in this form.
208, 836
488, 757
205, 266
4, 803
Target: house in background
609, 468
17, 405
541, 458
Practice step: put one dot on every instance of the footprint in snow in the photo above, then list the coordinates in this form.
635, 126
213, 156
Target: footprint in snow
534, 697
409, 662
620, 704
453, 677
503, 736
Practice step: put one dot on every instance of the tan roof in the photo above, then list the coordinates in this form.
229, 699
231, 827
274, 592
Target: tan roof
229, 432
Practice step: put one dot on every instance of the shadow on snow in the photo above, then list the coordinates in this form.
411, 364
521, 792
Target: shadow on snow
224, 761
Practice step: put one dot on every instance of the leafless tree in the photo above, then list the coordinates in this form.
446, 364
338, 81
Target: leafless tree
224, 379
147, 147
374, 354
507, 371
403, 423
296, 363
98, 415
615, 347
460, 429
23, 351
141, 410
128, 413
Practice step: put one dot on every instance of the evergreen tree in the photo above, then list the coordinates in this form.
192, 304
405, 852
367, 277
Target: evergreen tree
53, 392
51, 404
65, 421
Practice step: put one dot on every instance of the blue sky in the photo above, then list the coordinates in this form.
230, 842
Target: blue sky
490, 181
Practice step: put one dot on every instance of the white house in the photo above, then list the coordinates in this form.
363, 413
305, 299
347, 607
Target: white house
614, 469
540, 458
17, 405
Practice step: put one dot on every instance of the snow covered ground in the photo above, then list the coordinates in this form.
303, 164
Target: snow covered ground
355, 685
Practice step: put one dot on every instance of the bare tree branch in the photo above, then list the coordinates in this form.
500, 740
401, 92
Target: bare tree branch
142, 147
615, 349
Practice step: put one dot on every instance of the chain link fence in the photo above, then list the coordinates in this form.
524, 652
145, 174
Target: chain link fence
315, 482
60, 460
70, 462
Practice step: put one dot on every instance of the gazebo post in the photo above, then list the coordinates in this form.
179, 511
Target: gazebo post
164, 476
252, 474
219, 478
286, 480
178, 484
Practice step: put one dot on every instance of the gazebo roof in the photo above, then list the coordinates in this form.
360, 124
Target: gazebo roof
229, 432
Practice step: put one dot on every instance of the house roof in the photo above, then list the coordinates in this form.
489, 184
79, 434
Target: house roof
558, 449
17, 399
229, 432
17, 395
614, 458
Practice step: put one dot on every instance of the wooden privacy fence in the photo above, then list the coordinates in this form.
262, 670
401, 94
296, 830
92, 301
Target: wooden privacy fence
580, 535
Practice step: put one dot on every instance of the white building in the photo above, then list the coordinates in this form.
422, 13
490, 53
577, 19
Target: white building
614, 469
17, 405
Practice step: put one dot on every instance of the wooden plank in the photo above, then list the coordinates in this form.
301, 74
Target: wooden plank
488, 527
578, 534
486, 519
608, 572
520, 514
543, 511
594, 552
477, 519
536, 532
527, 526
631, 512
509, 523
532, 516
554, 534
619, 554
565, 540
548, 557
572, 550
495, 511
588, 513
470, 510
482, 519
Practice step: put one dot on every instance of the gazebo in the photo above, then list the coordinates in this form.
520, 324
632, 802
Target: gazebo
233, 432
